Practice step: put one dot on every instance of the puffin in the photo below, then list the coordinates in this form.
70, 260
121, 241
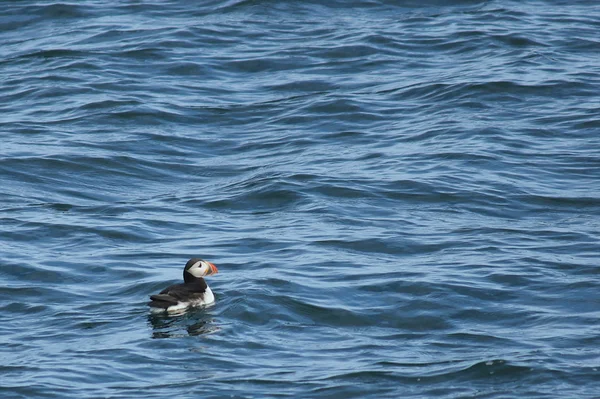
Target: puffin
193, 292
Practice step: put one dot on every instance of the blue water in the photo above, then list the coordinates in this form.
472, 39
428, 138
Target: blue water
402, 198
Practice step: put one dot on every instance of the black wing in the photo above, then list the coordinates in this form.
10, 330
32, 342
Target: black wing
180, 292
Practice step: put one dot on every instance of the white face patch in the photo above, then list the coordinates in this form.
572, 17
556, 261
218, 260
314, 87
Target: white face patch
198, 269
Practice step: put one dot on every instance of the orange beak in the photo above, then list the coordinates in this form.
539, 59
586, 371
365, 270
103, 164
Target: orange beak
213, 268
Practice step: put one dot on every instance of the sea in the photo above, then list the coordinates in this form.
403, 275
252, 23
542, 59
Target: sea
402, 198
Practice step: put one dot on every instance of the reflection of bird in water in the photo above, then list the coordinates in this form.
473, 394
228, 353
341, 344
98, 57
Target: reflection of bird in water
192, 292
166, 326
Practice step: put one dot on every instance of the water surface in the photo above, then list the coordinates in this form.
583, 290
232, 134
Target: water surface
401, 197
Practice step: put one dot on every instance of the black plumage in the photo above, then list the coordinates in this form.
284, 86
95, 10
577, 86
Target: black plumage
189, 291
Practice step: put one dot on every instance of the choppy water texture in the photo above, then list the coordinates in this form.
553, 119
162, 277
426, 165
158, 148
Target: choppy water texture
402, 198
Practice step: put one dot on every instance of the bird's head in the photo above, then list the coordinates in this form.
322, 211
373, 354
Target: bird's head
199, 268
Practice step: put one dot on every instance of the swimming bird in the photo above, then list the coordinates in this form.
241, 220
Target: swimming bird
193, 292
